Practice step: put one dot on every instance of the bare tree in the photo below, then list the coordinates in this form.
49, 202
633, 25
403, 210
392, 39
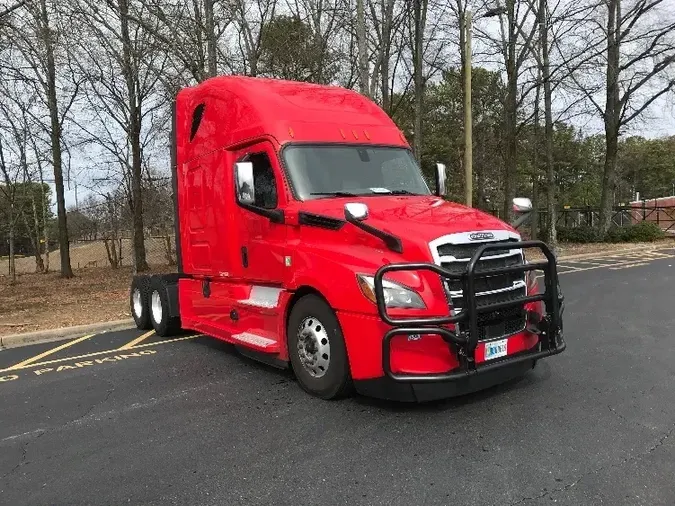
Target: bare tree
631, 66
250, 17
11, 8
122, 66
386, 25
15, 112
190, 33
43, 49
9, 193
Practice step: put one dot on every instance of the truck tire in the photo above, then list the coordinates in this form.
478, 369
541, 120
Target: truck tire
317, 349
164, 323
138, 302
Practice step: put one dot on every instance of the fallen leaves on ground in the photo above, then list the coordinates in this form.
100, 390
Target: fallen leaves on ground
47, 301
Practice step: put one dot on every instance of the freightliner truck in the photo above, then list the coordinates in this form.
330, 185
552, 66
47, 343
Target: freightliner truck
307, 237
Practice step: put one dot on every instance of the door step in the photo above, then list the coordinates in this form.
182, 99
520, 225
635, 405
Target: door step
257, 341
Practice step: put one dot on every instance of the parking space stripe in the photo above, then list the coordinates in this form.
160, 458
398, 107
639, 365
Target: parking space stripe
619, 262
136, 341
628, 266
94, 354
31, 360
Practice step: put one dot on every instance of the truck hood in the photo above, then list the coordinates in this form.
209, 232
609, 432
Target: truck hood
417, 218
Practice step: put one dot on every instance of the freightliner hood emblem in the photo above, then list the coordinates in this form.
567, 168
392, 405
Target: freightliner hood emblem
481, 236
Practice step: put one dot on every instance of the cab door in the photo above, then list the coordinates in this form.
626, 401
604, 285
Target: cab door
262, 236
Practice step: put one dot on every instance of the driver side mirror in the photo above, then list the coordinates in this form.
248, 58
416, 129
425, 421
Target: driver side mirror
522, 205
243, 175
440, 179
356, 211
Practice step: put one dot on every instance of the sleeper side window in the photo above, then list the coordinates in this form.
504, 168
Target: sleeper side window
197, 116
264, 183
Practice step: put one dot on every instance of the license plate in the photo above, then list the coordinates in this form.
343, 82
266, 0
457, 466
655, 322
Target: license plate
495, 349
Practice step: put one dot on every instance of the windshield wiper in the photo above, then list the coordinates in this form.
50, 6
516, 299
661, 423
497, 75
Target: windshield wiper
402, 192
336, 194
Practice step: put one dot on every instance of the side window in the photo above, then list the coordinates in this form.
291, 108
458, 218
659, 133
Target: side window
264, 184
197, 115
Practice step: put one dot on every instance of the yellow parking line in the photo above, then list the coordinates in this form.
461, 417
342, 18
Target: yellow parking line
96, 354
133, 343
48, 352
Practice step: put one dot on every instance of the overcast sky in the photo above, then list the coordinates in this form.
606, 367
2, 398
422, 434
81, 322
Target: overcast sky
657, 121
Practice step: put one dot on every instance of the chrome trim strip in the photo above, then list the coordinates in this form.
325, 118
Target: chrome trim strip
516, 285
465, 238
451, 259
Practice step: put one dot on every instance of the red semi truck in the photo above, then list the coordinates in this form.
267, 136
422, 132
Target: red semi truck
307, 237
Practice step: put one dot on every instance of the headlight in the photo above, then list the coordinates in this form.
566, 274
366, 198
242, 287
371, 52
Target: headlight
395, 295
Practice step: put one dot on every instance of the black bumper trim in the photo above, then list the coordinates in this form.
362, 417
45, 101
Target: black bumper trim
386, 388
479, 370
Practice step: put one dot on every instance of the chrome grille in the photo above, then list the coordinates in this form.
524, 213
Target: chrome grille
453, 252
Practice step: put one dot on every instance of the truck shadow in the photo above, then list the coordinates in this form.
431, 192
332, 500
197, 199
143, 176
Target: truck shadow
532, 379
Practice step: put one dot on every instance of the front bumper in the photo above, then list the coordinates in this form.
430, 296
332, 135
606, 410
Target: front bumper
469, 374
440, 387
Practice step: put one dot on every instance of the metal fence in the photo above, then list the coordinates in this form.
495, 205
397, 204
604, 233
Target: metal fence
623, 216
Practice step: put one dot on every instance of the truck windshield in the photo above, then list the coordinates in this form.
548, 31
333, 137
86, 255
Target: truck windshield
324, 171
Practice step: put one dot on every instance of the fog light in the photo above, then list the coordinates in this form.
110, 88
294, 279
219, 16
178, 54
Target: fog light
533, 317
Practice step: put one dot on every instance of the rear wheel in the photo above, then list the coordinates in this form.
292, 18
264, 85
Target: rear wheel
317, 349
160, 311
138, 302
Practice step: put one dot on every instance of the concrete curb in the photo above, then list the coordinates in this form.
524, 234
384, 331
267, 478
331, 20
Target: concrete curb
608, 253
43, 336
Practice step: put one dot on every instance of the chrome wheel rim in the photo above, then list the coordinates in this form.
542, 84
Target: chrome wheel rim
313, 347
156, 305
137, 304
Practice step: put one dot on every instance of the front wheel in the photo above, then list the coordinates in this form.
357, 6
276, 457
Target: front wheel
317, 349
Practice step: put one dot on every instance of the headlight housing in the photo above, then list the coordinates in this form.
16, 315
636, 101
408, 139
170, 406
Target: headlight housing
395, 295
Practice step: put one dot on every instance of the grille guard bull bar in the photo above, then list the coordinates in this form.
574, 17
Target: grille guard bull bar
549, 329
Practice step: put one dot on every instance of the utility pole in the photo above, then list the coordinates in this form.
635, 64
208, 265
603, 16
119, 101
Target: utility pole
467, 22
468, 119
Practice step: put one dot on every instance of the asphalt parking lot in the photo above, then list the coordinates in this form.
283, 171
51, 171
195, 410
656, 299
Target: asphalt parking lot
126, 417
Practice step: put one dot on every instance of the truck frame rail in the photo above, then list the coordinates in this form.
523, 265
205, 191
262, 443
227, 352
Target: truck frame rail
465, 342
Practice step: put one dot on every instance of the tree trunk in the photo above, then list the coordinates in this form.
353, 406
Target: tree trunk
134, 134
45, 228
199, 58
534, 220
39, 264
211, 41
362, 47
55, 137
548, 118
169, 250
612, 112
387, 21
419, 84
511, 155
12, 259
